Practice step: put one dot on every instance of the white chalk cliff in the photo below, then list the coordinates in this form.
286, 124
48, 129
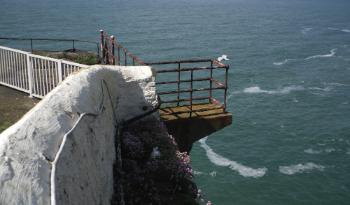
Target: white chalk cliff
62, 151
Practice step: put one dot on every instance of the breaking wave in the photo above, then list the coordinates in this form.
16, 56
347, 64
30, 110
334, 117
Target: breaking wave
235, 166
337, 29
325, 89
283, 62
300, 168
285, 90
331, 54
306, 30
312, 151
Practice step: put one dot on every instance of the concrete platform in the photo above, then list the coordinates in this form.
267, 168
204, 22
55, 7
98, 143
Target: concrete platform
186, 129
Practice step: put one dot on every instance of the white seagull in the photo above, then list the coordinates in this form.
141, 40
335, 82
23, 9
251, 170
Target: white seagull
223, 57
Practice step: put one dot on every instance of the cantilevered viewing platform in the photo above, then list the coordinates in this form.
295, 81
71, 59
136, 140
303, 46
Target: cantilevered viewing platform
187, 129
192, 93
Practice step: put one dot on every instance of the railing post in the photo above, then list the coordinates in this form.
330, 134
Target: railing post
30, 75
125, 58
106, 52
113, 50
31, 45
226, 84
102, 46
211, 82
178, 83
60, 73
191, 93
118, 55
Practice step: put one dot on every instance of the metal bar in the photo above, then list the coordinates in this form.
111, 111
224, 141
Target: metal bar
46, 39
113, 49
185, 100
191, 93
180, 61
125, 58
226, 84
182, 81
31, 45
106, 52
189, 90
187, 69
178, 84
118, 55
102, 46
211, 80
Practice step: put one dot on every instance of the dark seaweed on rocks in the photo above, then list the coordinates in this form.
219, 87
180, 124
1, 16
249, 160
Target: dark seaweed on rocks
164, 178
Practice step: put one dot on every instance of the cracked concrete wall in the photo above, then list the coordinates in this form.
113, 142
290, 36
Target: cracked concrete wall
84, 170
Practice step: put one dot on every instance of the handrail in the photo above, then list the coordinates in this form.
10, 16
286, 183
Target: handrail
115, 54
214, 84
113, 51
51, 39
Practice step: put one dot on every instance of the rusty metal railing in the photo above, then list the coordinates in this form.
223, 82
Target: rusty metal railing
113, 53
176, 79
184, 83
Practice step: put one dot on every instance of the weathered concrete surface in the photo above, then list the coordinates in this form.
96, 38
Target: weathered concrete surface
187, 129
84, 169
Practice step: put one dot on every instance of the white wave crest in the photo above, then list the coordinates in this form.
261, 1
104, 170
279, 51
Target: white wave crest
235, 166
197, 173
336, 84
312, 151
283, 62
285, 90
337, 29
325, 89
300, 168
306, 30
348, 151
331, 54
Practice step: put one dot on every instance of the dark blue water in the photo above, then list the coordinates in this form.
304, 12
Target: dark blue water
289, 83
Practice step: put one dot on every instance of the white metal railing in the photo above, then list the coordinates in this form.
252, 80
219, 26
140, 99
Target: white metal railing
33, 74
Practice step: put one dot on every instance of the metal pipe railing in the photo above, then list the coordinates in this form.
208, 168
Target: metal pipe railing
177, 90
73, 41
109, 45
114, 53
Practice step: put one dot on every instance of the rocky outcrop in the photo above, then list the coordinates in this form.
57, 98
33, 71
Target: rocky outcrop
62, 151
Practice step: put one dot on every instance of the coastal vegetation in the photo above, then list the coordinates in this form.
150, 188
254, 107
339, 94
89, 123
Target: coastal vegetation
78, 56
154, 170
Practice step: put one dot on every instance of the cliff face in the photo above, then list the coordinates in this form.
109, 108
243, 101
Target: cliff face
62, 151
154, 170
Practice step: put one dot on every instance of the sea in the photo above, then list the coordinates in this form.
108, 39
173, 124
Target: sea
289, 83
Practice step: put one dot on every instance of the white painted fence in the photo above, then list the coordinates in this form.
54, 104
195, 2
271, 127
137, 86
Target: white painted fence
33, 74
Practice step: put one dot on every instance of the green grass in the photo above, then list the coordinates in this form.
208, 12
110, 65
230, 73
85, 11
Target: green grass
4, 126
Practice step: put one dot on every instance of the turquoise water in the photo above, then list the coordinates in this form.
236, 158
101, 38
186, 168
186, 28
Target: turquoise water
289, 84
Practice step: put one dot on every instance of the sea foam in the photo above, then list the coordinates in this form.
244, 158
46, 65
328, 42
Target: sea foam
300, 168
337, 29
306, 30
331, 54
283, 62
284, 90
312, 151
235, 166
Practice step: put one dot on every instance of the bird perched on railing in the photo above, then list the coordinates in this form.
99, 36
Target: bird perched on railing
223, 57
